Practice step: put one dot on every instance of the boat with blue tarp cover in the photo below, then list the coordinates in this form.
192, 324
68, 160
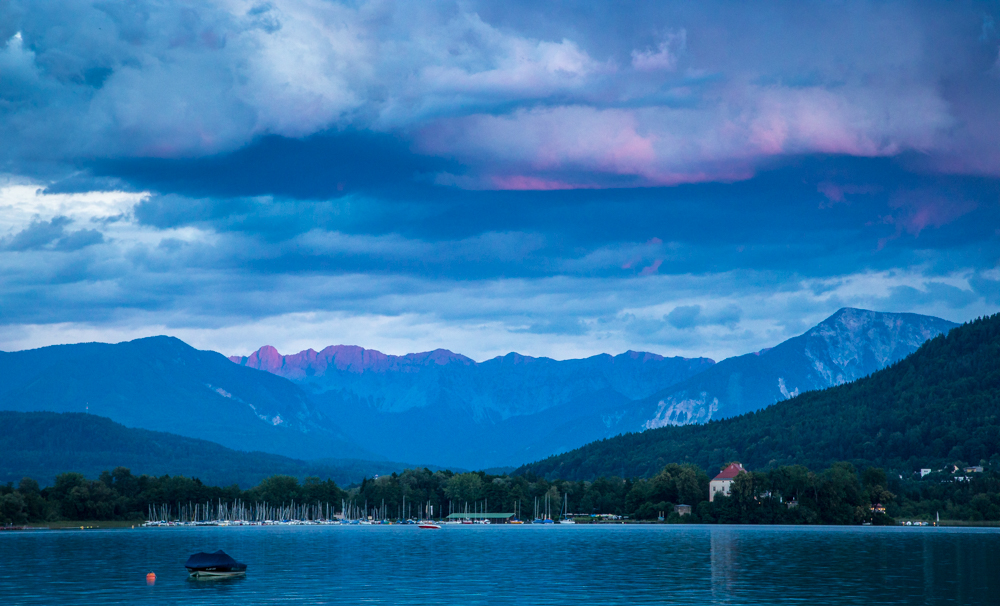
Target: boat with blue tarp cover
218, 564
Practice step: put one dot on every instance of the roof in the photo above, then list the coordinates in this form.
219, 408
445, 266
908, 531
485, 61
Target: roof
730, 472
480, 516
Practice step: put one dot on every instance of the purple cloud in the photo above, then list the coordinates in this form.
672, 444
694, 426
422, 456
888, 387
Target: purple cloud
538, 109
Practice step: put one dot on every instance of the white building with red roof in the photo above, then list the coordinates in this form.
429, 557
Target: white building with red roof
721, 484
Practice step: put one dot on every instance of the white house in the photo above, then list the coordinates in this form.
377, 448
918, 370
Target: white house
722, 483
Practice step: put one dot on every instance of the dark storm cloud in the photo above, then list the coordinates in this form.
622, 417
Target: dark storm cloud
322, 166
784, 220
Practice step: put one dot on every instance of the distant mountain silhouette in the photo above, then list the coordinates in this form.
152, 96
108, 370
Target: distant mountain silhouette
163, 384
447, 408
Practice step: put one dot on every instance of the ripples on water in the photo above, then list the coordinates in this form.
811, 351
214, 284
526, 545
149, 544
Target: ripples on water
509, 565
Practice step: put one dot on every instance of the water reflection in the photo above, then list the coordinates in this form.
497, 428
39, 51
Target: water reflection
202, 581
723, 546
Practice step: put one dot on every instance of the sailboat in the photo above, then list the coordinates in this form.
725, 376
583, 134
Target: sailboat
536, 519
517, 516
428, 521
566, 519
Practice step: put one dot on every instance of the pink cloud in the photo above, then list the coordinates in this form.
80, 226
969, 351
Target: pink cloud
664, 57
837, 193
651, 268
524, 182
916, 211
724, 139
920, 210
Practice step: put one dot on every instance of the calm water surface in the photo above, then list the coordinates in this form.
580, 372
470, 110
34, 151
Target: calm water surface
509, 565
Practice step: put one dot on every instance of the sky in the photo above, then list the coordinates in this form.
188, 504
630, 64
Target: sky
558, 179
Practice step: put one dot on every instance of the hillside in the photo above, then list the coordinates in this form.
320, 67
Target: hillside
41, 445
939, 405
850, 344
163, 384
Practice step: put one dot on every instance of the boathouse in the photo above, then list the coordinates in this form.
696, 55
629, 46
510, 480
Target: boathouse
494, 518
722, 483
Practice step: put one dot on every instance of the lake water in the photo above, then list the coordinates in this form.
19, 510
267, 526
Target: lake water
509, 565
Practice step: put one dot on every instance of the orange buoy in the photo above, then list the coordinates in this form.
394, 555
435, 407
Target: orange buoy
151, 578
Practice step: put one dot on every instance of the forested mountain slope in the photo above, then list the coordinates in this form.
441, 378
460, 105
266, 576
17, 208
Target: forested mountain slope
939, 405
41, 445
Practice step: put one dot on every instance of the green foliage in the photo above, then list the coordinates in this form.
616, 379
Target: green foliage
783, 495
119, 495
940, 405
464, 487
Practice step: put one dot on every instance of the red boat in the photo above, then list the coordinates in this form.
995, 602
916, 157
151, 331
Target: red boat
429, 525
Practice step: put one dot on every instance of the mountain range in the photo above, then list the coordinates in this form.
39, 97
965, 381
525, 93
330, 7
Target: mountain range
515, 408
444, 407
939, 406
438, 407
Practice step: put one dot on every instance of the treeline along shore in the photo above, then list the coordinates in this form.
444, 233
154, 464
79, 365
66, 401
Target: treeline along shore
840, 494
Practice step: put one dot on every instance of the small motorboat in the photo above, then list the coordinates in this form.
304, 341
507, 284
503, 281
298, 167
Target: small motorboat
430, 525
218, 565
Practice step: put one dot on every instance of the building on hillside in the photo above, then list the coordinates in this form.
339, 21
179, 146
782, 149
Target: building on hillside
682, 510
721, 484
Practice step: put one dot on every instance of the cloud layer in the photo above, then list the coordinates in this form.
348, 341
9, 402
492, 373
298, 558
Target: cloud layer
688, 96
696, 179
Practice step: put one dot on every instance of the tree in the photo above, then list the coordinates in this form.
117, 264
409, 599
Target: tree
464, 487
13, 509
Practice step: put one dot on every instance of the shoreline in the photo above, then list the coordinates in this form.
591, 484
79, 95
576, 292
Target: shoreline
133, 524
